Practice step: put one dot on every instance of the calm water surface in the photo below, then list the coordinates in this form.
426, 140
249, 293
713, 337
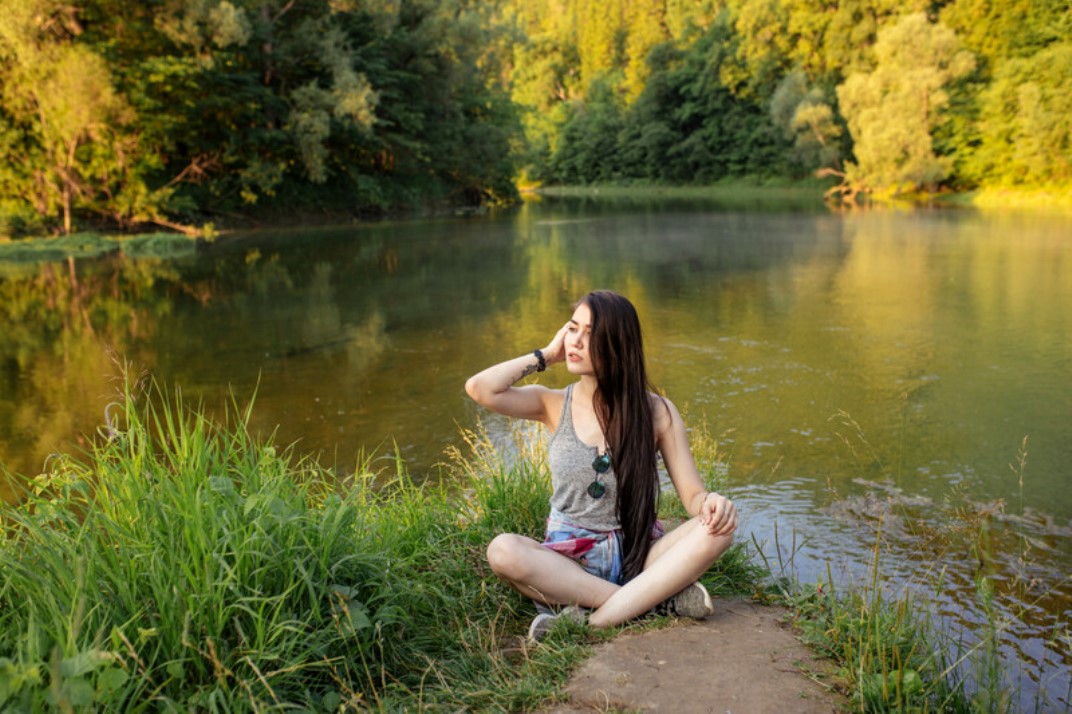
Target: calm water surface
873, 377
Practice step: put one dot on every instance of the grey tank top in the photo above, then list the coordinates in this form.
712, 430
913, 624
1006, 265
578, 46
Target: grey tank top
570, 460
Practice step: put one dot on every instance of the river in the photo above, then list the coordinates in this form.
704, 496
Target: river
900, 378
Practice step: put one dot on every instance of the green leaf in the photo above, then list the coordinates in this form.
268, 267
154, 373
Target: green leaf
110, 680
78, 692
253, 502
221, 485
85, 662
911, 683
344, 590
359, 615
175, 670
331, 701
14, 675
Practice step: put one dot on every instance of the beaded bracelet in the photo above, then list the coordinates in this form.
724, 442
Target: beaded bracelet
541, 363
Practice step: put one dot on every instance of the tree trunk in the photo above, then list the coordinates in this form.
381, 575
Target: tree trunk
68, 184
66, 207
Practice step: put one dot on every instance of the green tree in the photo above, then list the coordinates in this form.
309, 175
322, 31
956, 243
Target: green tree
851, 37
996, 30
72, 143
600, 37
544, 81
762, 49
807, 119
650, 132
892, 110
688, 127
827, 40
182, 109
645, 28
588, 149
1026, 122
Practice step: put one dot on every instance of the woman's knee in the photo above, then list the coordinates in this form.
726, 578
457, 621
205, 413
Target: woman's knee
504, 554
713, 546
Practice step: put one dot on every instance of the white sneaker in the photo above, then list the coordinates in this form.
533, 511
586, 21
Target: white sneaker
693, 601
545, 622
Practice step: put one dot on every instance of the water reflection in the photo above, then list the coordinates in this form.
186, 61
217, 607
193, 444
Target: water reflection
63, 327
873, 375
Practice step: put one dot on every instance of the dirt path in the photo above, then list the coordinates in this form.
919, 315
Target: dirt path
741, 660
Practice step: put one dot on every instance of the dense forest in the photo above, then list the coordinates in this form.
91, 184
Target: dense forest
184, 113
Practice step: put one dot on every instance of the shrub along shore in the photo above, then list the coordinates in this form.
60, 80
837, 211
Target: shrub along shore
184, 564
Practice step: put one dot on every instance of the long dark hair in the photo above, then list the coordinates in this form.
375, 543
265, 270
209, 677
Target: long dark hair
623, 407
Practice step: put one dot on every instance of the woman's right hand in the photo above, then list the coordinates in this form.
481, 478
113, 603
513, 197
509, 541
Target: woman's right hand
556, 349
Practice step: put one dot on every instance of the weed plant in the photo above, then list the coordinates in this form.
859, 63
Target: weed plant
182, 564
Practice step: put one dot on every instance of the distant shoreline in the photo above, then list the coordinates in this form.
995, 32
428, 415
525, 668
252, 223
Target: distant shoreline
765, 193
1047, 198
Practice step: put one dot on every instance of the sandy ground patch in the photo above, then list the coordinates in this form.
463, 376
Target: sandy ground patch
741, 660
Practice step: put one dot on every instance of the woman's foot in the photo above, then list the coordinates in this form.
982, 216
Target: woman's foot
693, 601
545, 621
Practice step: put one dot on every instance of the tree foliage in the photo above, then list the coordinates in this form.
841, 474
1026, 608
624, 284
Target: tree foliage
894, 96
182, 110
893, 109
807, 118
69, 133
1026, 121
685, 125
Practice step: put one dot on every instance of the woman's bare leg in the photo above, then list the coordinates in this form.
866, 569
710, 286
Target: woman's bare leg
544, 575
675, 560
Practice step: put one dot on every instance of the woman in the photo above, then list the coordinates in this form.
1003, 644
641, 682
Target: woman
607, 429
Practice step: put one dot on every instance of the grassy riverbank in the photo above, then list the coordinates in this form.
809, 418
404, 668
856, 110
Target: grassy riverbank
1056, 198
22, 257
783, 194
184, 564
766, 194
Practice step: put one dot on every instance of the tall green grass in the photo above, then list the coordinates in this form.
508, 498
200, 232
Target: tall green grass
891, 653
891, 658
185, 564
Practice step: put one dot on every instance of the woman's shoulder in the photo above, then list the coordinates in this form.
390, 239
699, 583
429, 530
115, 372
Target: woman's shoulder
554, 400
664, 413
555, 397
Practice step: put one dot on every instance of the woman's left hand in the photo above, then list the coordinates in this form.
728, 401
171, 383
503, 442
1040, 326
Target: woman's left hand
718, 514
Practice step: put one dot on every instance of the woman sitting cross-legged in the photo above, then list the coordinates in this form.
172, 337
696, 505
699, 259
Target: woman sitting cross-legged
604, 550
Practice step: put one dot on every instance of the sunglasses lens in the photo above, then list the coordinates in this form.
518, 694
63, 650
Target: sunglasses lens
596, 489
601, 464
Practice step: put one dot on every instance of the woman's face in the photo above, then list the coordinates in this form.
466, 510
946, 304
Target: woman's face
578, 336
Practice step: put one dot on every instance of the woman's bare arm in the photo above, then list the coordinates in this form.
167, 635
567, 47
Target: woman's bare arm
494, 387
714, 510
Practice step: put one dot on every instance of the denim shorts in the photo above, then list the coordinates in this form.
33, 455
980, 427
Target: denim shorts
598, 552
